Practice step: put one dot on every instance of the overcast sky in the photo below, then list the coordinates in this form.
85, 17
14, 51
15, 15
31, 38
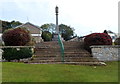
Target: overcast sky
85, 16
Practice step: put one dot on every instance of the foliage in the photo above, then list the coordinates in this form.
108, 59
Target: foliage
66, 31
117, 41
105, 31
48, 27
46, 35
16, 53
15, 23
97, 39
16, 37
6, 25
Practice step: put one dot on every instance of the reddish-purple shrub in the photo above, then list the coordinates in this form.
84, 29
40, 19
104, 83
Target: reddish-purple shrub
96, 39
16, 37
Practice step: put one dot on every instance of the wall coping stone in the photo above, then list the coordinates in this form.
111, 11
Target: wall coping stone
105, 46
17, 46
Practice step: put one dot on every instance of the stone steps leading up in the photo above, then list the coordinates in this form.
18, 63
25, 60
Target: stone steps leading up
49, 52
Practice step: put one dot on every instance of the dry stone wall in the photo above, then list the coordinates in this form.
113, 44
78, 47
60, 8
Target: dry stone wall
106, 53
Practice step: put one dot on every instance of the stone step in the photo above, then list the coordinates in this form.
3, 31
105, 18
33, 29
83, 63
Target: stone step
58, 49
72, 42
50, 56
56, 59
49, 52
66, 44
87, 63
75, 47
47, 55
75, 63
43, 61
60, 60
59, 57
65, 47
67, 58
68, 55
75, 50
49, 42
47, 49
68, 49
81, 59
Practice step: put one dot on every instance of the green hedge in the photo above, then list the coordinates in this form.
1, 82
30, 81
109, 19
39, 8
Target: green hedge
16, 53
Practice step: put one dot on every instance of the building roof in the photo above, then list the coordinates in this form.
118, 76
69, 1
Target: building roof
32, 28
29, 24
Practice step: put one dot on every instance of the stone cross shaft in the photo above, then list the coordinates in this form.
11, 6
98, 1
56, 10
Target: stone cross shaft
57, 27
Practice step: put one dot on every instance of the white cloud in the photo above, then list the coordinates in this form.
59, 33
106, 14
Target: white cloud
83, 15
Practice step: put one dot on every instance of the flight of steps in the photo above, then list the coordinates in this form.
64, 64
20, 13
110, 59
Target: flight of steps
49, 52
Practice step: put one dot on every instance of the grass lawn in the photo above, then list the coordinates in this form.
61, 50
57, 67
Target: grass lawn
20, 72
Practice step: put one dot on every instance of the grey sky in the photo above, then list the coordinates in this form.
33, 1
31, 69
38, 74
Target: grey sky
85, 16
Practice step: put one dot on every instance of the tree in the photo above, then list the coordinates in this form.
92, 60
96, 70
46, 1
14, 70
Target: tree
46, 35
48, 27
66, 31
6, 25
48, 30
15, 23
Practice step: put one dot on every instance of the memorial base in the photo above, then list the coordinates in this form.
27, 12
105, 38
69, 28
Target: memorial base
55, 38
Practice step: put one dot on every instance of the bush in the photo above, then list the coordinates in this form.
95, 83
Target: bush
96, 39
16, 37
16, 53
117, 41
47, 36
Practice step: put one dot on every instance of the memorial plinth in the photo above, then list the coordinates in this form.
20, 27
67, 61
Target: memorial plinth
55, 37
